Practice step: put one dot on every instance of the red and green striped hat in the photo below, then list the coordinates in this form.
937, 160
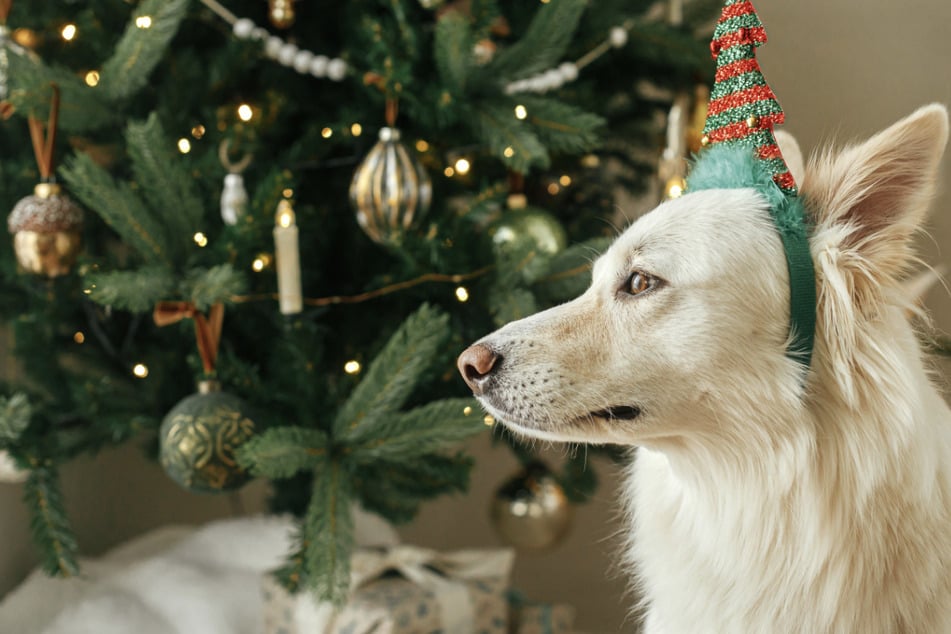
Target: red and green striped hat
740, 118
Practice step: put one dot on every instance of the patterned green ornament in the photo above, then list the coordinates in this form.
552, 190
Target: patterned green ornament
199, 437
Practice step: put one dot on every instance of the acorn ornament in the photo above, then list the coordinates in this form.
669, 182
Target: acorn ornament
47, 225
390, 190
531, 511
47, 231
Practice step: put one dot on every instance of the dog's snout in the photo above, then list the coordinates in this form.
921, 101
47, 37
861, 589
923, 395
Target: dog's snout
476, 364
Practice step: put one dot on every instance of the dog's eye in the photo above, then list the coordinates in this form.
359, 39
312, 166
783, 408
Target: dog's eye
639, 282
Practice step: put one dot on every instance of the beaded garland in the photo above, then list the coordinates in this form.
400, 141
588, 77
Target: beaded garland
285, 53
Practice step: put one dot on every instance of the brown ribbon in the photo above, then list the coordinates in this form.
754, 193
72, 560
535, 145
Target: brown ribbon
207, 329
43, 140
5, 6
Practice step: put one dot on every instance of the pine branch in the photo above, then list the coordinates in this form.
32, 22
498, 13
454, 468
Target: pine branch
425, 429
283, 451
81, 108
396, 490
136, 291
118, 205
292, 574
513, 141
48, 523
543, 44
453, 50
394, 372
15, 414
204, 287
328, 533
164, 183
140, 49
562, 127
510, 304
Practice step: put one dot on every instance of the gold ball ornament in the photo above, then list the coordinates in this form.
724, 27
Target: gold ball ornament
281, 13
528, 225
531, 511
47, 231
390, 190
199, 438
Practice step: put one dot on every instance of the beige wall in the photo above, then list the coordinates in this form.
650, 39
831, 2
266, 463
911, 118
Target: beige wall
841, 68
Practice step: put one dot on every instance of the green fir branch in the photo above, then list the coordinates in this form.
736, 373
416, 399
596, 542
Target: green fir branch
513, 141
136, 291
218, 284
292, 575
453, 50
165, 185
562, 127
140, 49
118, 206
544, 42
510, 304
48, 523
328, 533
425, 429
283, 451
81, 108
395, 490
394, 372
15, 414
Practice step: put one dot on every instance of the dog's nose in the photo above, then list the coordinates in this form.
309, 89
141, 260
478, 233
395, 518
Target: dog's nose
476, 364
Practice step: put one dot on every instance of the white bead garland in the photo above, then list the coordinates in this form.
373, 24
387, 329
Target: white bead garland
287, 54
568, 71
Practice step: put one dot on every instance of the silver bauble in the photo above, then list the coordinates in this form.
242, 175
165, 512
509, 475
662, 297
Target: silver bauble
390, 190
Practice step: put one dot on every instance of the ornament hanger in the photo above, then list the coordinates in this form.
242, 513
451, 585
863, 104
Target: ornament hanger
44, 140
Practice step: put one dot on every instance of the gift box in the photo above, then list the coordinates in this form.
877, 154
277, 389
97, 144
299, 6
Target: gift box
404, 589
532, 617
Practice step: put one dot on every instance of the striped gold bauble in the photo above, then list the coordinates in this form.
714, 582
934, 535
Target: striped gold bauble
390, 191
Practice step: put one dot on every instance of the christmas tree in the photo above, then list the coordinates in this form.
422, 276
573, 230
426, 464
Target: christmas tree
292, 219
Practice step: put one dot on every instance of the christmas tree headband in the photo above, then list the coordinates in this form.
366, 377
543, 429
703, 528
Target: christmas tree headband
741, 152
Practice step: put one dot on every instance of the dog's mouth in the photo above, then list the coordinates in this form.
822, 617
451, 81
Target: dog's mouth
618, 412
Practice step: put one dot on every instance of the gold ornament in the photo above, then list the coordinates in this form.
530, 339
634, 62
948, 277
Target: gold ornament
390, 190
531, 511
523, 225
199, 437
46, 230
281, 13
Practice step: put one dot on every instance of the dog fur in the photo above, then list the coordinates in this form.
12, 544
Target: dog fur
759, 500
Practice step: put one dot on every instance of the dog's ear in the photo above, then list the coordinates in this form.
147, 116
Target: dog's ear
878, 192
789, 148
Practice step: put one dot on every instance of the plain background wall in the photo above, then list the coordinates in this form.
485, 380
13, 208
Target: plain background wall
842, 69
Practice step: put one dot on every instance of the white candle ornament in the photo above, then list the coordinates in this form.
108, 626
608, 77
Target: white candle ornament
287, 255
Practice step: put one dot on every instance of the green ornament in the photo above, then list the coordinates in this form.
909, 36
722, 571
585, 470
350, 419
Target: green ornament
529, 227
530, 511
199, 438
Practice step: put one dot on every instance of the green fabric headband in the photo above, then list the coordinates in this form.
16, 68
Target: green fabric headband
741, 152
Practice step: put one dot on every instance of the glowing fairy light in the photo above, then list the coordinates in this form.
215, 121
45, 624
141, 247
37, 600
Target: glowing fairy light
143, 21
352, 367
140, 370
92, 78
422, 146
184, 145
356, 129
245, 112
462, 294
462, 166
68, 32
200, 239
520, 112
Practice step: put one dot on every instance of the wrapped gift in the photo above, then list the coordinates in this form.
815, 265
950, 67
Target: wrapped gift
531, 617
404, 589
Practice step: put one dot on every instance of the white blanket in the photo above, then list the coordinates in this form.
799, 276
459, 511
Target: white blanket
174, 580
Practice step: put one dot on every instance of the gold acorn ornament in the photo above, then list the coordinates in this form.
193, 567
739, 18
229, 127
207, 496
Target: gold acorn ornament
200, 435
390, 190
530, 511
47, 225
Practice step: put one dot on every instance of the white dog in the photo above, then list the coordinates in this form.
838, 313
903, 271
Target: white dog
759, 501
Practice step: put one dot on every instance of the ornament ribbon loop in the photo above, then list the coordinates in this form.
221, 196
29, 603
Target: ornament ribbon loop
207, 329
44, 140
